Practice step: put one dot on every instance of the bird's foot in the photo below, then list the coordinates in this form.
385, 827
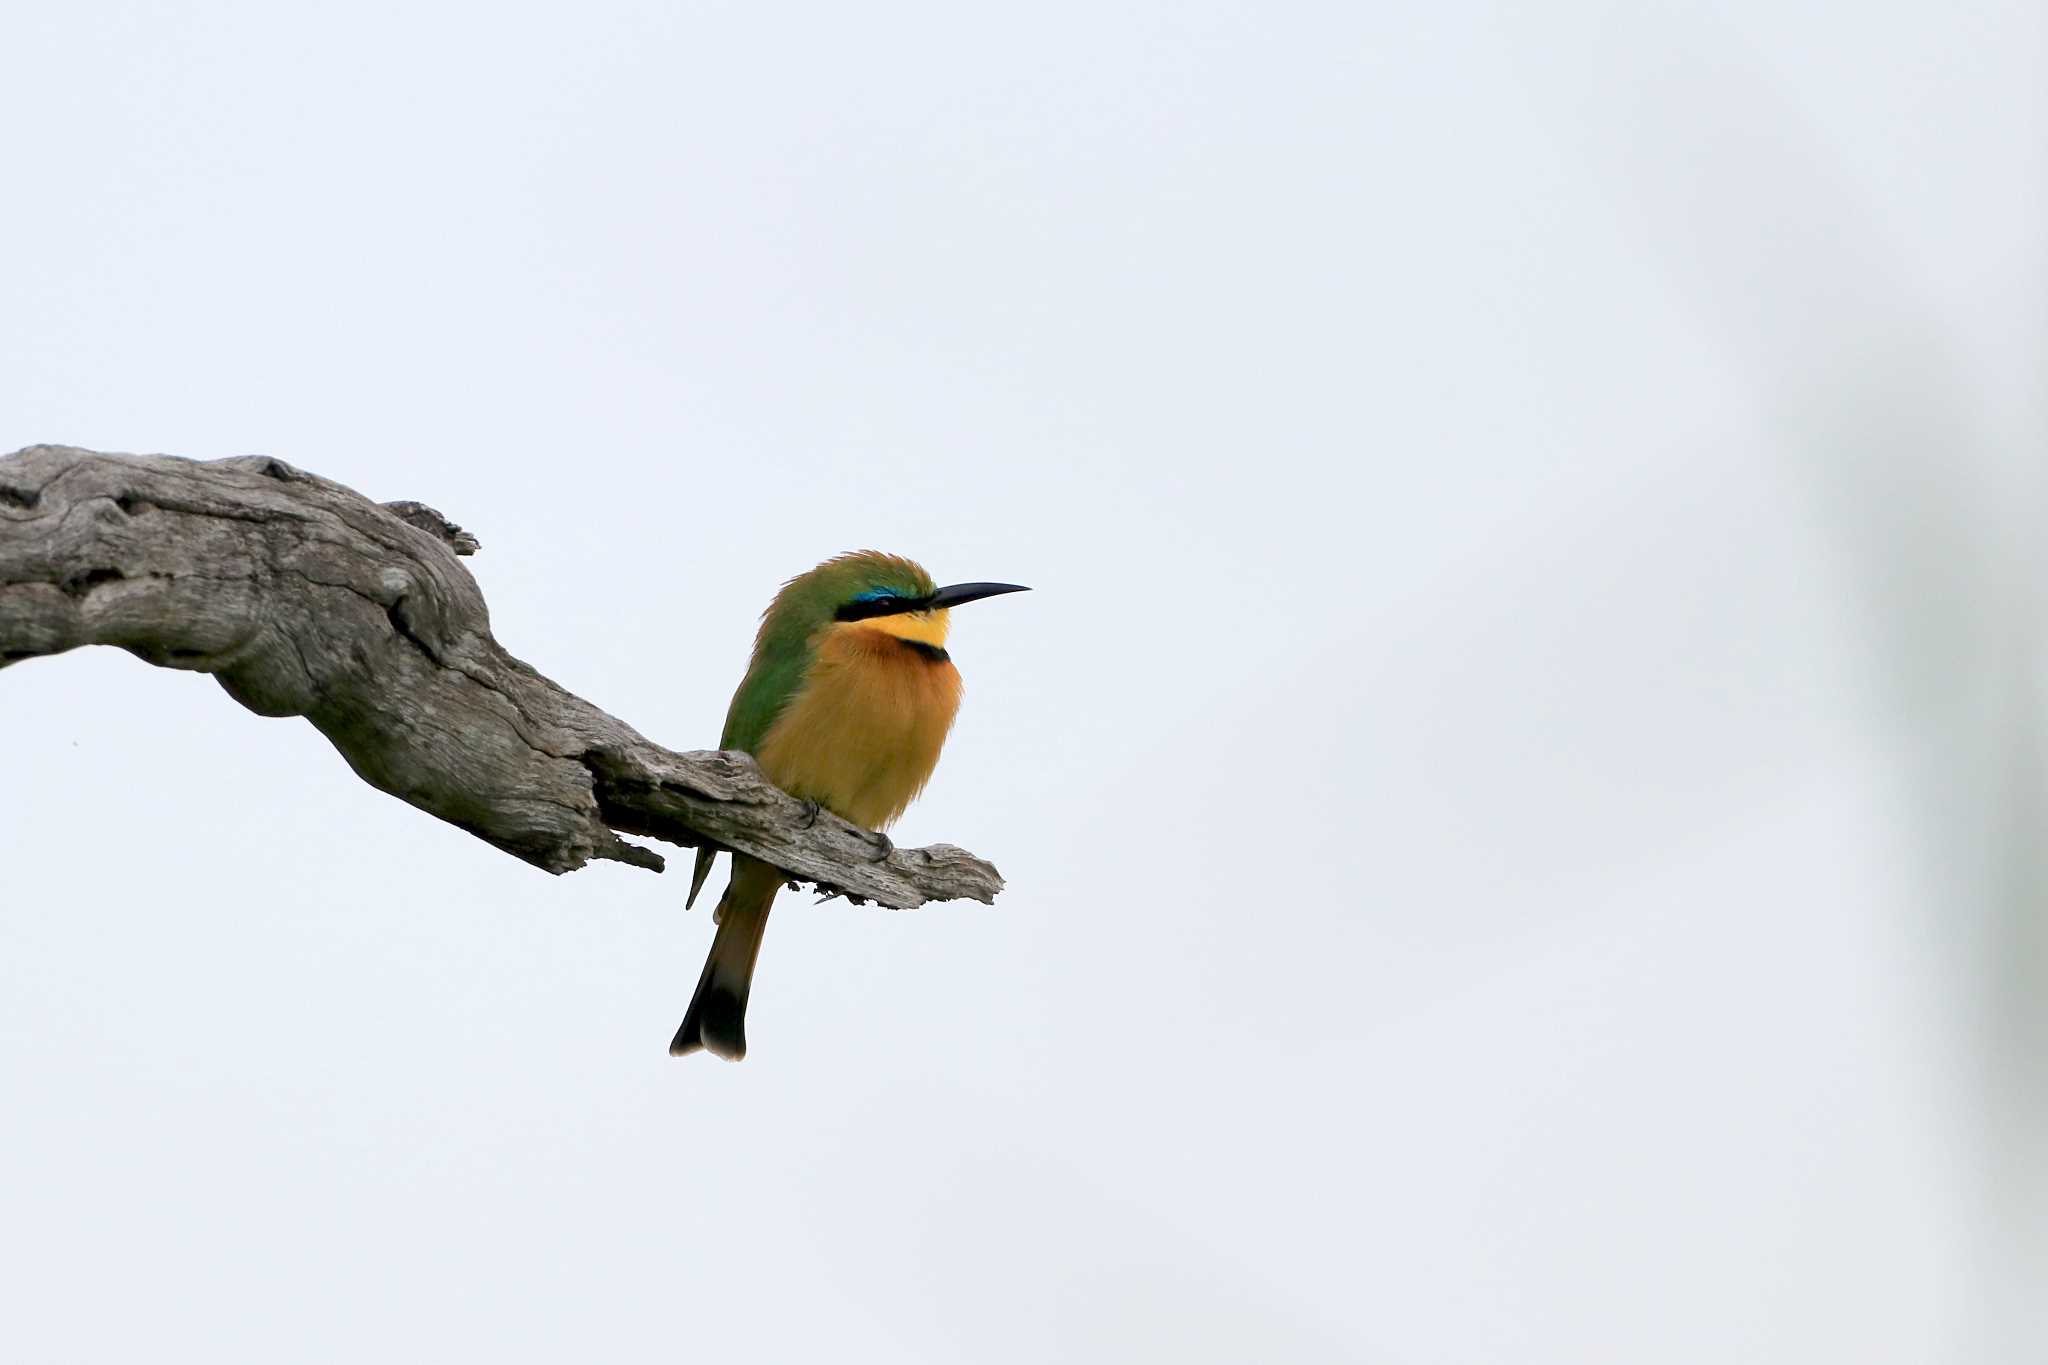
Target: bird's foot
811, 809
881, 847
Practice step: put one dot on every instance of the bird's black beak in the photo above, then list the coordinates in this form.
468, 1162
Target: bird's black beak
955, 594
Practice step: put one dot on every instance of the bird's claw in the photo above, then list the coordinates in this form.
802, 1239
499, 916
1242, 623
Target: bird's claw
882, 847
811, 809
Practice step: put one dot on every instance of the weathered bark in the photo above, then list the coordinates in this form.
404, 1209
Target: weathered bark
306, 599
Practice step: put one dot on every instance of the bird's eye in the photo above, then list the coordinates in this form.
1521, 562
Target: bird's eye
872, 602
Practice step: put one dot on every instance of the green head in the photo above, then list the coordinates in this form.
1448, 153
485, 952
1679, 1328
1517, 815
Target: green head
863, 589
813, 600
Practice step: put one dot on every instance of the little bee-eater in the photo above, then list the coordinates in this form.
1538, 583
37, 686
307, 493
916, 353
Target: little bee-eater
846, 703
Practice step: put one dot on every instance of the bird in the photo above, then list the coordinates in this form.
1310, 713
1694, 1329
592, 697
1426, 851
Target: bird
846, 702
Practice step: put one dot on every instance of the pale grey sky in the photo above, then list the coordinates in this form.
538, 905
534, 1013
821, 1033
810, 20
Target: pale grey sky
1513, 782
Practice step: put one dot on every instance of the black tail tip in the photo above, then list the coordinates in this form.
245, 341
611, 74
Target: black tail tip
716, 1023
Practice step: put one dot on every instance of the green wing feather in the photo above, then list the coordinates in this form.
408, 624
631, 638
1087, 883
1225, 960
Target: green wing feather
774, 677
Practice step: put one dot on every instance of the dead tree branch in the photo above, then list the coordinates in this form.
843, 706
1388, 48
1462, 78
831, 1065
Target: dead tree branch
303, 598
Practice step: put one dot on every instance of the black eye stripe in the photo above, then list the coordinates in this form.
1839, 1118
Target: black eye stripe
858, 610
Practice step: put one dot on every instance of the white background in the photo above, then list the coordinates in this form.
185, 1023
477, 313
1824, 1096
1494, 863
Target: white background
1520, 782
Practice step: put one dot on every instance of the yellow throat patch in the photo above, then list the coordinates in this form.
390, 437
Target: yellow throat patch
924, 627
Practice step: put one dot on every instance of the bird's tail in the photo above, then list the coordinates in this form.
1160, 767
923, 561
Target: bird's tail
716, 1019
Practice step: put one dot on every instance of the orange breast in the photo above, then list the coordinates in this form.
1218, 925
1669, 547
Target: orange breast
862, 737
